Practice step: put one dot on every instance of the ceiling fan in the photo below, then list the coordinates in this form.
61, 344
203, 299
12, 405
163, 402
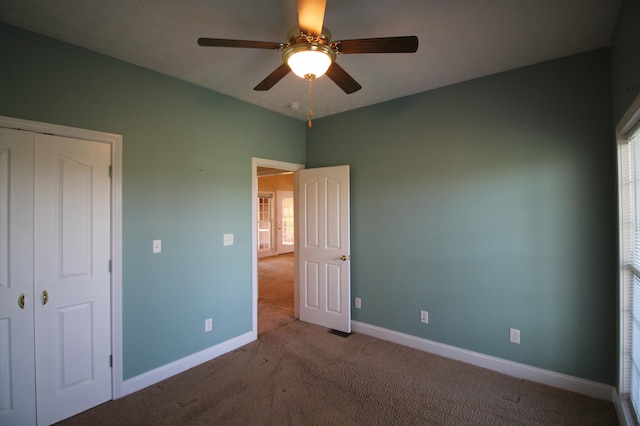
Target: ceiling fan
310, 53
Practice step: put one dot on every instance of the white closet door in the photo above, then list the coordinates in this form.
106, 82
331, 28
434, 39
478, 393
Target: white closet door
17, 378
72, 278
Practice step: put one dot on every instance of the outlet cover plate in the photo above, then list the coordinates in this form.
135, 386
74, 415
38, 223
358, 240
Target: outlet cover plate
514, 335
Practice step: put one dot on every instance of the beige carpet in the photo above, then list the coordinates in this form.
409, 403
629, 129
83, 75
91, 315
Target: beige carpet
275, 280
275, 292
300, 374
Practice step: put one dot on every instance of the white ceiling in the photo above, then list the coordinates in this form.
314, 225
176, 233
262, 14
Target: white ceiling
459, 40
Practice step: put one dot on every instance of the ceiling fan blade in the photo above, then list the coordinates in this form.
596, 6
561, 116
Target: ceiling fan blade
311, 16
407, 44
223, 42
342, 79
273, 78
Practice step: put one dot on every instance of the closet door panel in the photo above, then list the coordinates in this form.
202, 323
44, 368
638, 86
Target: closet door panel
17, 377
72, 237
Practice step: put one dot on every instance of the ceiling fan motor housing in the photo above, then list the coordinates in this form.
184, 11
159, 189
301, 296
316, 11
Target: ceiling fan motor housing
296, 34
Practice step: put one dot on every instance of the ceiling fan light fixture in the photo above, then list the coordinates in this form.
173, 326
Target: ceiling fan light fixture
309, 60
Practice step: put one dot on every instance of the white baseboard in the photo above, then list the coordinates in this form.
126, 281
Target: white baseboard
510, 368
154, 376
514, 369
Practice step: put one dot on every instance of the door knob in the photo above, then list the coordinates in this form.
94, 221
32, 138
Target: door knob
344, 258
21, 301
45, 297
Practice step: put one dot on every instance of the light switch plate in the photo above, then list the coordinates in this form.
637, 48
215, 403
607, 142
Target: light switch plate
228, 239
157, 246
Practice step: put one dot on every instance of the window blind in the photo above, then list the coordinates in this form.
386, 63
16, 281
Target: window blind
630, 257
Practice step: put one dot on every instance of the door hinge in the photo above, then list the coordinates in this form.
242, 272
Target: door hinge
110, 360
110, 265
110, 171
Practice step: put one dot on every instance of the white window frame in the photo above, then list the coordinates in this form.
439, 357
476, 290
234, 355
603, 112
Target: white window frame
627, 126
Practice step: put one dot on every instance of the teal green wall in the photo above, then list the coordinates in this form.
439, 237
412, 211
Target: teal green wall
490, 204
186, 180
625, 59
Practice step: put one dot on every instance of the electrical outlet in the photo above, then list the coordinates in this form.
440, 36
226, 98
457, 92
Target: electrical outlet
208, 324
424, 317
227, 239
514, 335
358, 303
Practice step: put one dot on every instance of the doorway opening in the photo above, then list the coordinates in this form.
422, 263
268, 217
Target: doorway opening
274, 272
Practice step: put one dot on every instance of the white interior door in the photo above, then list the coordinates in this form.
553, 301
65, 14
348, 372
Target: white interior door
72, 277
324, 265
17, 375
285, 226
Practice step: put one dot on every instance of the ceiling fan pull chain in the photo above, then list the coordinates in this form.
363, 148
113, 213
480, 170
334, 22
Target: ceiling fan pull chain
310, 99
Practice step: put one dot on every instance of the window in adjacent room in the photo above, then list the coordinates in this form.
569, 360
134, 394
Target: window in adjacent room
265, 219
288, 234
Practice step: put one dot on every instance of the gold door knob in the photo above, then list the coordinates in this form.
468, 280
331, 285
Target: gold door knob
21, 301
344, 258
45, 297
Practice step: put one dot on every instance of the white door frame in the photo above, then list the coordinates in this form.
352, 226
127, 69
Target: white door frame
115, 141
273, 164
